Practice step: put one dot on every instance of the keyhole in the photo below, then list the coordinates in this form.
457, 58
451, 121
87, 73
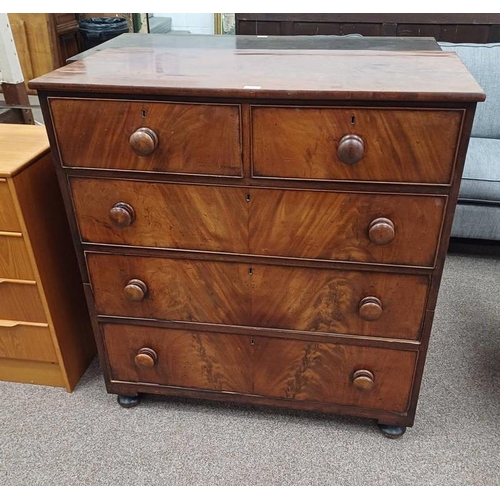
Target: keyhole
353, 120
250, 271
252, 342
248, 197
144, 113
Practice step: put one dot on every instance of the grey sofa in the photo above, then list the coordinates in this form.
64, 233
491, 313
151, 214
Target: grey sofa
478, 210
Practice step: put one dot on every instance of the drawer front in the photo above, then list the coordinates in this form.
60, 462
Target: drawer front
341, 226
185, 138
396, 145
276, 368
26, 341
285, 297
14, 258
354, 227
163, 215
8, 217
20, 301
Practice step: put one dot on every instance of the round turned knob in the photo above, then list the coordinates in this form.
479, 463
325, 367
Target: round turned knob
351, 149
370, 308
145, 358
381, 231
143, 141
363, 380
135, 290
122, 214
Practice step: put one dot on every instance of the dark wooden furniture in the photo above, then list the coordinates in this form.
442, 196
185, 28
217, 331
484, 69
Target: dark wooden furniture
44, 41
45, 332
265, 226
472, 28
17, 105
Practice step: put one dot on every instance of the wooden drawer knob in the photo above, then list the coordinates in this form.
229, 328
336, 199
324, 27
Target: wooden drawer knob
135, 290
363, 380
370, 308
146, 358
143, 141
122, 214
381, 231
351, 149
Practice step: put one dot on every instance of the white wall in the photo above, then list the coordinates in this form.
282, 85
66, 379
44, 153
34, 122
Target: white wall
201, 24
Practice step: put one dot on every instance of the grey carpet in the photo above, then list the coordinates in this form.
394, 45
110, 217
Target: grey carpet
49, 437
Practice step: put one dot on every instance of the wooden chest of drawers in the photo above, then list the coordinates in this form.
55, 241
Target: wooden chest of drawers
260, 224
45, 333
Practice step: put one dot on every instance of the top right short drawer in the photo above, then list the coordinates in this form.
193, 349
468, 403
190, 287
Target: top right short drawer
395, 145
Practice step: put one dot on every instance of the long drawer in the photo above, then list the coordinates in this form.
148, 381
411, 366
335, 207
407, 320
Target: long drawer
285, 297
164, 137
367, 377
355, 227
375, 145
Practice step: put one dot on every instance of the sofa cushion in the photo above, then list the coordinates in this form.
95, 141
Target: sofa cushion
477, 221
483, 61
481, 177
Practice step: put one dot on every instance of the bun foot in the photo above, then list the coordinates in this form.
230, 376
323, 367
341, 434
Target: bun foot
391, 431
128, 401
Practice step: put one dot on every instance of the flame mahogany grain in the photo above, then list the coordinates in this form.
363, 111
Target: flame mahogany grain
259, 295
97, 134
270, 367
400, 145
290, 223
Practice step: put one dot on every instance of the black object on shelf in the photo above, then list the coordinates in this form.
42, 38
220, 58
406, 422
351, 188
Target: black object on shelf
96, 30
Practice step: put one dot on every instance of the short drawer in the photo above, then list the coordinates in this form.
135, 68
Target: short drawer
22, 340
20, 300
355, 144
268, 296
165, 137
14, 258
366, 377
8, 217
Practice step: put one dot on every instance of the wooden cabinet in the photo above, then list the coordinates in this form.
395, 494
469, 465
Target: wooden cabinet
44, 41
45, 332
273, 233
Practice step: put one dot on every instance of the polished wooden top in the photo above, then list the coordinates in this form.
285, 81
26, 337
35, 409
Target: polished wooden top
20, 145
230, 71
266, 42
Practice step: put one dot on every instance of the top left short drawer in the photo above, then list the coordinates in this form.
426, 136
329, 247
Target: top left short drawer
176, 138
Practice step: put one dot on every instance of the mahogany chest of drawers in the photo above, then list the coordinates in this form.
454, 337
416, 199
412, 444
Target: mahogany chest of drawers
260, 223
